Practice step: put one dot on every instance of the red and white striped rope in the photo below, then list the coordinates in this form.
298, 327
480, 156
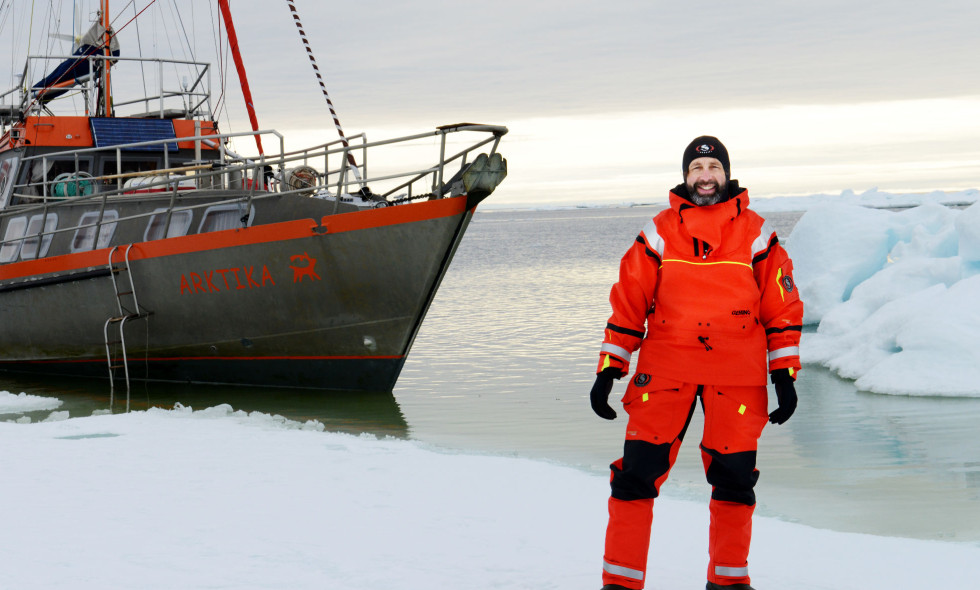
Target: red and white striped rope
323, 87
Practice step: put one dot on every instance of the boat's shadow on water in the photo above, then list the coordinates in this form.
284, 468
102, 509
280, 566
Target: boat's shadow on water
354, 412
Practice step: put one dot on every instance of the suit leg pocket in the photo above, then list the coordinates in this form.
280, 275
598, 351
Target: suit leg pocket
734, 419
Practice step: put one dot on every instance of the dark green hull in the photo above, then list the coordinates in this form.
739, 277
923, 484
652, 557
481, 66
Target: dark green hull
323, 302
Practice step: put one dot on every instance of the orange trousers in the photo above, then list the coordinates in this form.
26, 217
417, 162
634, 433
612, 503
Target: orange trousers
658, 419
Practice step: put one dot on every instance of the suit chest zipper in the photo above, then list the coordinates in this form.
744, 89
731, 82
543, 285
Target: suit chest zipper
701, 248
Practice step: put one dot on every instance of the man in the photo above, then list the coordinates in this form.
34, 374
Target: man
706, 294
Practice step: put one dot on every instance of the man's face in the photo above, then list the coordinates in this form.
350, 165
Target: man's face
706, 183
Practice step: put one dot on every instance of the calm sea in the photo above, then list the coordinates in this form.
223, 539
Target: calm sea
506, 357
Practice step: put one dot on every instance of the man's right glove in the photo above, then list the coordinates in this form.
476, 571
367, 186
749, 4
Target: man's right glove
600, 392
785, 394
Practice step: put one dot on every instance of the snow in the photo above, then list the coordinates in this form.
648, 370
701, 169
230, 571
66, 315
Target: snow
22, 402
224, 499
895, 294
870, 198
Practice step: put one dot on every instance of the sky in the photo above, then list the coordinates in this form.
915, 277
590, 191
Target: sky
602, 98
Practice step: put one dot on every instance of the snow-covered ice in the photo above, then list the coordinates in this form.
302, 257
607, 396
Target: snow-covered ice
895, 294
22, 402
224, 499
873, 198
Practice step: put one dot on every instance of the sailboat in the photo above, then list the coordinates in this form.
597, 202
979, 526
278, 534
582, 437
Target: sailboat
136, 244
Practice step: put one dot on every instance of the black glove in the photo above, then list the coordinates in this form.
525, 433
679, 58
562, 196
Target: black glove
785, 394
600, 392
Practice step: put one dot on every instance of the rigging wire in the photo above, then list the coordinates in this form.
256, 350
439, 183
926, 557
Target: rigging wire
30, 33
172, 19
323, 87
187, 39
5, 10
139, 47
163, 20
74, 35
226, 70
240, 68
8, 16
135, 16
54, 38
48, 48
218, 103
186, 45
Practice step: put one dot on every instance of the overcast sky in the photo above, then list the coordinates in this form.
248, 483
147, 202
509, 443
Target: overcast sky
602, 97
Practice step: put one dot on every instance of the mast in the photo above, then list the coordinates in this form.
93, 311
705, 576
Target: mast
106, 106
246, 92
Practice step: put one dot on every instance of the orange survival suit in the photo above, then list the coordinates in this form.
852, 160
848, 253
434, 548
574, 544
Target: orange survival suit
707, 296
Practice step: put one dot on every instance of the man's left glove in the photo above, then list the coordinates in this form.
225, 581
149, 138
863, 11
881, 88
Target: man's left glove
785, 395
599, 395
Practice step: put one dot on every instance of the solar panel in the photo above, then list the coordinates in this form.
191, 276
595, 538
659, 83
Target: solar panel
110, 131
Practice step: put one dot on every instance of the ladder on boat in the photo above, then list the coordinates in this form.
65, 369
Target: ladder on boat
128, 308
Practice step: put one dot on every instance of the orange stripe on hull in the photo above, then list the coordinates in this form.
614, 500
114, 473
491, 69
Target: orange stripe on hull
260, 234
100, 360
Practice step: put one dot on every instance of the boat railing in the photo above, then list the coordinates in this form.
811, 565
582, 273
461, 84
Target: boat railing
329, 171
189, 98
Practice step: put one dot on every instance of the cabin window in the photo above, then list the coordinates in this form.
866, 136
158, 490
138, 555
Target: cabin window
131, 165
84, 239
36, 245
180, 222
12, 239
116, 174
63, 180
223, 217
7, 170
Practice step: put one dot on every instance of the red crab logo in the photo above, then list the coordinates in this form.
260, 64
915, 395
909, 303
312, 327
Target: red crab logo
302, 270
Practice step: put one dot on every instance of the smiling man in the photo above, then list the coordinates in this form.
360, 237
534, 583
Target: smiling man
706, 294
706, 171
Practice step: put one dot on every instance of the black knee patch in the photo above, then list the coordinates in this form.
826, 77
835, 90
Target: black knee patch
732, 476
643, 464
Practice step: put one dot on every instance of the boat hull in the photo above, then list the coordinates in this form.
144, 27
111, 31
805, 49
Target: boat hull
328, 303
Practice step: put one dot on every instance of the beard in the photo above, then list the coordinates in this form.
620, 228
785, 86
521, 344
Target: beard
700, 200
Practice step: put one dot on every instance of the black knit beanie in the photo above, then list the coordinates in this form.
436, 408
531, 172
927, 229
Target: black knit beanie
706, 147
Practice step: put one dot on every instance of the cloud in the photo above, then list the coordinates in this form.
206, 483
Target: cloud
397, 62
866, 90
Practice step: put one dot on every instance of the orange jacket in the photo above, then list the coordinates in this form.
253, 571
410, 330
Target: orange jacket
707, 296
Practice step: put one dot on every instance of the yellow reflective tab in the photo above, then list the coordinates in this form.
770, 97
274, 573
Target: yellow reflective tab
779, 283
646, 396
741, 409
792, 372
605, 361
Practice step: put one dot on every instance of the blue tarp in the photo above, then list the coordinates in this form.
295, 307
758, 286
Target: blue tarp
76, 68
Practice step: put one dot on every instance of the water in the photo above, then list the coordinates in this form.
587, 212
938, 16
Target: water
506, 357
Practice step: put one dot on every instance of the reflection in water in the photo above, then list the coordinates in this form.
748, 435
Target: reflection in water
897, 465
339, 411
